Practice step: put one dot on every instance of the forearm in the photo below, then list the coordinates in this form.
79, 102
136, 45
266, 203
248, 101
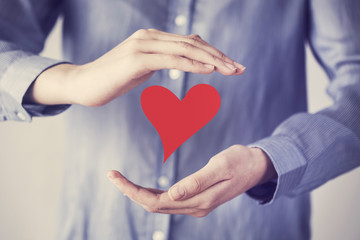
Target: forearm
53, 86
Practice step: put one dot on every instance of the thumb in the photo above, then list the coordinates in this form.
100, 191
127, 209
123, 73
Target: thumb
195, 183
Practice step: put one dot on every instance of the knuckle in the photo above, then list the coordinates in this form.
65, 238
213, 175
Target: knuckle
222, 55
133, 44
206, 205
185, 45
215, 58
224, 164
140, 33
195, 184
194, 39
221, 59
193, 62
195, 36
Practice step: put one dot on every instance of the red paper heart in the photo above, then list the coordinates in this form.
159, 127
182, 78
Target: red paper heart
175, 120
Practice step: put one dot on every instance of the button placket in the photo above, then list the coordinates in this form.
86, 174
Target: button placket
178, 21
164, 181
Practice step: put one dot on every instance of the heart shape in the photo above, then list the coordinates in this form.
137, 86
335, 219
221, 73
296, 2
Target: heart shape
176, 120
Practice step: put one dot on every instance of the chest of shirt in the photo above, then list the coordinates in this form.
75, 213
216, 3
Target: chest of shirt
225, 24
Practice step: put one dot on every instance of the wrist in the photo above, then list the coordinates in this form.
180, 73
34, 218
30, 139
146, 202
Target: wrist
53, 86
264, 169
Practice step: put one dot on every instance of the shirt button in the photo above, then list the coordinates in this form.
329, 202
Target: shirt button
163, 181
158, 235
180, 20
21, 116
174, 74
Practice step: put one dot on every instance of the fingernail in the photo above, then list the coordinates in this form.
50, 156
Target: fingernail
209, 66
230, 66
240, 67
177, 192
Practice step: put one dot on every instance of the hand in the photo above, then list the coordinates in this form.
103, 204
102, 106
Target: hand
126, 66
227, 175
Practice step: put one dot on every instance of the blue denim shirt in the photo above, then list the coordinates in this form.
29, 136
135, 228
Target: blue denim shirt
266, 107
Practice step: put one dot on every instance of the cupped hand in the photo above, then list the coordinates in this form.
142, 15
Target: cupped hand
227, 175
126, 66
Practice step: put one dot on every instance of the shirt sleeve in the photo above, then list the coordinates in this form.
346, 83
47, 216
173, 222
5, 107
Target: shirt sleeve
23, 30
307, 150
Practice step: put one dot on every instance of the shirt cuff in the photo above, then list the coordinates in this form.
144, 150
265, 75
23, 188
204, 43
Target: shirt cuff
289, 163
14, 84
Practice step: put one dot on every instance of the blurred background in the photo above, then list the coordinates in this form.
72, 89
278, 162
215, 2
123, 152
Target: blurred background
31, 171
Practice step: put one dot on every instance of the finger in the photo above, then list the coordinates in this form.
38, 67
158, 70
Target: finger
192, 39
154, 62
150, 199
185, 49
195, 40
196, 183
136, 193
154, 200
207, 200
